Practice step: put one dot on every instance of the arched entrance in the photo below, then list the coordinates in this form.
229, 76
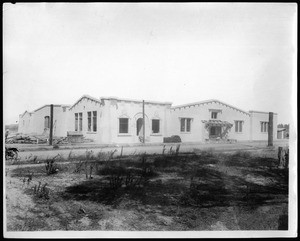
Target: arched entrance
139, 127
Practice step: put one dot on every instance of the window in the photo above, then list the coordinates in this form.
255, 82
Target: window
185, 124
238, 126
214, 115
123, 125
188, 125
94, 121
155, 126
182, 124
89, 121
47, 122
76, 121
80, 122
264, 126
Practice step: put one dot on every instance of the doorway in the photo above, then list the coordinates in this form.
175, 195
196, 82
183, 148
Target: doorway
215, 131
139, 127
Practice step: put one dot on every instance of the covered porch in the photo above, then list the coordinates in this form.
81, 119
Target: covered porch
217, 130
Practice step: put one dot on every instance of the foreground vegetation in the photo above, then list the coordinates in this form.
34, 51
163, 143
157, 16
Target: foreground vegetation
176, 191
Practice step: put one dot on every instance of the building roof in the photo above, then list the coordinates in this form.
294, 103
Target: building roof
25, 113
216, 123
262, 112
50, 105
86, 97
207, 102
137, 101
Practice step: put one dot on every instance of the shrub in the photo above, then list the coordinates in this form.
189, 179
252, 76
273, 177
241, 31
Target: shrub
51, 166
41, 191
172, 139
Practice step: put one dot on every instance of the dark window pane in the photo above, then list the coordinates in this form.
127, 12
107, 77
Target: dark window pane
182, 124
47, 122
94, 121
80, 121
236, 126
214, 115
76, 121
89, 121
188, 125
123, 125
155, 126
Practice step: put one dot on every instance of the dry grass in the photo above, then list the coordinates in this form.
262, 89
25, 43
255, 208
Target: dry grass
188, 192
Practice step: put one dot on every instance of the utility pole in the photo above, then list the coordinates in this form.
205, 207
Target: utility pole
270, 129
51, 125
143, 121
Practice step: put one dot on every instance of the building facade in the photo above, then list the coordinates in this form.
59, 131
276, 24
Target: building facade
111, 120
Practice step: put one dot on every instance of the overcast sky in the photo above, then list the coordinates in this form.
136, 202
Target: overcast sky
242, 54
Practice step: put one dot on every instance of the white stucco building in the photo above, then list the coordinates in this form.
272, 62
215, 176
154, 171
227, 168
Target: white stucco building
110, 120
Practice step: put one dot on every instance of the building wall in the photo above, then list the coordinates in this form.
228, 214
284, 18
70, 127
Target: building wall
34, 123
200, 113
133, 111
109, 110
84, 106
25, 125
59, 121
256, 119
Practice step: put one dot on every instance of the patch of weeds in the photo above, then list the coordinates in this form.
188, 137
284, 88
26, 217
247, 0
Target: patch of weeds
41, 191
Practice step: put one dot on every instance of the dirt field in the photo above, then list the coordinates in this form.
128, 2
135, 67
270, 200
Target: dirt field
202, 191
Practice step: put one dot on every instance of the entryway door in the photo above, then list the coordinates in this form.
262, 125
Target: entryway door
139, 127
215, 131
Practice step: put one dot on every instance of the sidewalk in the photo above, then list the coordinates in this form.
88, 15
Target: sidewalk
237, 145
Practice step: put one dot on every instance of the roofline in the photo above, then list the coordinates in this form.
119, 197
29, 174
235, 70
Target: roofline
49, 106
88, 97
25, 113
262, 112
135, 100
208, 101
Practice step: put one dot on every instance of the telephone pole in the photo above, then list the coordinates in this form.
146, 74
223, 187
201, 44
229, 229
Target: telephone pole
270, 129
51, 125
143, 121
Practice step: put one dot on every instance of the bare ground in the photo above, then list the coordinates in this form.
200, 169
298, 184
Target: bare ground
237, 193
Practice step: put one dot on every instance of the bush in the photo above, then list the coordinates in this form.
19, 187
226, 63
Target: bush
51, 167
172, 139
41, 191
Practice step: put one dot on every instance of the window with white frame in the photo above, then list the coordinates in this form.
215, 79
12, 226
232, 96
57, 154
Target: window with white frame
123, 125
238, 126
185, 124
264, 126
155, 126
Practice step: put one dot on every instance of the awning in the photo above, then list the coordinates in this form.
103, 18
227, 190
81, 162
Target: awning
209, 123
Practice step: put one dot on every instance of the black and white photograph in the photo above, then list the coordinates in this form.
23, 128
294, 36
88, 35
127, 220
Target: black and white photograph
150, 120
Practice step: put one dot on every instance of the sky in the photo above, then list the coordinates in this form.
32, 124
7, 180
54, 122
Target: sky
242, 54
